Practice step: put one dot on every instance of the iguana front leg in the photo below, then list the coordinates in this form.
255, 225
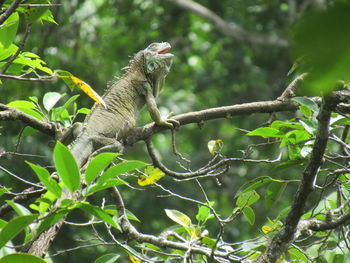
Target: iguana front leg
154, 111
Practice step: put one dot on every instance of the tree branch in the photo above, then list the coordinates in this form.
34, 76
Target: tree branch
142, 133
318, 225
9, 11
21, 199
12, 114
230, 29
132, 233
286, 235
289, 92
212, 169
48, 78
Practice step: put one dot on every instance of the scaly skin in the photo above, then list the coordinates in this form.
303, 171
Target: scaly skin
139, 86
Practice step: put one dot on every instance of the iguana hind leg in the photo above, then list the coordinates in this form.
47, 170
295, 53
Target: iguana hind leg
105, 144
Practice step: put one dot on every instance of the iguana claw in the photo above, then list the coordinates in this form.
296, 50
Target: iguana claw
169, 122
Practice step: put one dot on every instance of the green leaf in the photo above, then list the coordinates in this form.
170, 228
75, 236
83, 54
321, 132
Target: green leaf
279, 125
305, 110
273, 192
66, 166
294, 137
209, 242
28, 131
58, 112
253, 184
97, 164
309, 126
108, 258
285, 211
19, 209
51, 220
84, 111
7, 52
297, 255
34, 13
247, 198
338, 258
50, 99
99, 213
47, 16
112, 210
203, 214
21, 104
4, 190
2, 223
307, 102
249, 214
103, 185
178, 217
266, 132
131, 216
8, 30
45, 178
14, 227
27, 107
46, 201
120, 168
21, 258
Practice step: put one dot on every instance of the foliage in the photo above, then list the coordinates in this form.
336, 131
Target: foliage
234, 210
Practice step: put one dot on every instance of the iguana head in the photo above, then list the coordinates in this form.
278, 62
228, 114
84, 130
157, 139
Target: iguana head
157, 63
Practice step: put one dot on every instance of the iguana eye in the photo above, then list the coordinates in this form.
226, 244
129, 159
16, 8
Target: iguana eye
153, 47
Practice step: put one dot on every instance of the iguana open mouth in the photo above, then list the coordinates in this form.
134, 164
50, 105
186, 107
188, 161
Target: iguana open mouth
164, 50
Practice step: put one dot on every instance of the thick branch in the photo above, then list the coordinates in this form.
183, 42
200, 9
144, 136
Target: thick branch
318, 225
285, 236
142, 133
12, 114
230, 29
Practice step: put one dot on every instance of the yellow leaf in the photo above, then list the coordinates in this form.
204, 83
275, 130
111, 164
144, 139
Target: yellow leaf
71, 80
134, 260
152, 175
215, 146
178, 217
267, 229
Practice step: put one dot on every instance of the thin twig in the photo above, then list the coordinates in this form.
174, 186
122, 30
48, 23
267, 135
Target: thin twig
20, 178
43, 79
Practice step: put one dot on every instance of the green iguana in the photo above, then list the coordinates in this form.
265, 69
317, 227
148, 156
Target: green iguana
139, 86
